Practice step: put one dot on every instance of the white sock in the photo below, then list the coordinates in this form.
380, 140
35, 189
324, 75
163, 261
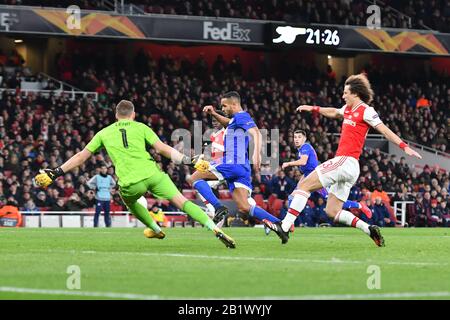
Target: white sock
209, 206
220, 223
297, 206
346, 217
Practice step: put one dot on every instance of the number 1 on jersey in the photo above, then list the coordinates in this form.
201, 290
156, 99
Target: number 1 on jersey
124, 137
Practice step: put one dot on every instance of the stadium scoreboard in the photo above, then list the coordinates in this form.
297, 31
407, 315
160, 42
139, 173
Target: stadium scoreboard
305, 36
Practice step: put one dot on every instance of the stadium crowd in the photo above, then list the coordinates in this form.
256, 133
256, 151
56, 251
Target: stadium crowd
38, 132
433, 14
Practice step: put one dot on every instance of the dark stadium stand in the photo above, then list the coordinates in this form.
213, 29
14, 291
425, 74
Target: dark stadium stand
396, 13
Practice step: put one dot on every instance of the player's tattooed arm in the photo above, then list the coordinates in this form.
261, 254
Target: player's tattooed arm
327, 112
391, 136
223, 120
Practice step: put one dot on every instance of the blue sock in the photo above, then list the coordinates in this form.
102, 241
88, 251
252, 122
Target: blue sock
261, 214
205, 190
350, 205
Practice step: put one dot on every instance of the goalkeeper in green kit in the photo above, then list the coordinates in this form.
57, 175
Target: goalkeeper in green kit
125, 142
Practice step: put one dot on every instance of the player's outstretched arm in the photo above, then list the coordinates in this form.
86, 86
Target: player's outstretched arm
170, 153
257, 140
300, 162
179, 158
327, 112
47, 176
391, 136
76, 160
223, 120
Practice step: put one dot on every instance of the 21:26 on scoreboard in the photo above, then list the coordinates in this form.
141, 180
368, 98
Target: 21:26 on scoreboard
305, 36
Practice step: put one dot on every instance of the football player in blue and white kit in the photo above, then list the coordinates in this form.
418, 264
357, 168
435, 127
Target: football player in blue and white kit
234, 166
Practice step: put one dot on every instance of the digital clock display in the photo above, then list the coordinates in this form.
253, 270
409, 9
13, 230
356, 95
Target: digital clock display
327, 37
314, 36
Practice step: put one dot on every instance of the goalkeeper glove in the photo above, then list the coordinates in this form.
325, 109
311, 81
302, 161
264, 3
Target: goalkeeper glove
197, 162
47, 176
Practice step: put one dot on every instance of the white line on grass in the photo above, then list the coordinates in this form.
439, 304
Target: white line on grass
133, 296
111, 295
228, 258
363, 296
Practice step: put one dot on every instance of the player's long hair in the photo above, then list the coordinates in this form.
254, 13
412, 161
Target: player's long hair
360, 85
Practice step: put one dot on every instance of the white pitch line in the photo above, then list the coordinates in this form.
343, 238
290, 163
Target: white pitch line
228, 258
363, 296
133, 296
112, 295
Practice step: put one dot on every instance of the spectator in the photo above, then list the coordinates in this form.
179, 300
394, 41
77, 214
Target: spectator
331, 74
320, 216
420, 212
281, 185
435, 218
399, 196
68, 189
219, 68
427, 201
75, 204
41, 200
381, 215
89, 199
30, 206
445, 213
380, 193
423, 102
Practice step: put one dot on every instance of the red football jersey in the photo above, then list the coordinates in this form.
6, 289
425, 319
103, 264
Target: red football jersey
357, 122
217, 147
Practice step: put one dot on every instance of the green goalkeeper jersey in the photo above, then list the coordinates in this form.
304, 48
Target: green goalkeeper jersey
125, 141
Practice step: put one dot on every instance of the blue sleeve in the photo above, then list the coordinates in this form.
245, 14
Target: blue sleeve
306, 150
244, 121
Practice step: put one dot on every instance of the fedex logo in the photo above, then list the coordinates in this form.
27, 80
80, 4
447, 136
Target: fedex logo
231, 31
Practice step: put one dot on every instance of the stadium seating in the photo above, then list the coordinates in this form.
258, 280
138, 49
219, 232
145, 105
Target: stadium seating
50, 138
259, 199
276, 206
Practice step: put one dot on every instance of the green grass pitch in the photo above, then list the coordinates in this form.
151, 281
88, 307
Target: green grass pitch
190, 263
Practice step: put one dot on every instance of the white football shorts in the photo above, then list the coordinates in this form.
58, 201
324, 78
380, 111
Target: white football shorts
338, 175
